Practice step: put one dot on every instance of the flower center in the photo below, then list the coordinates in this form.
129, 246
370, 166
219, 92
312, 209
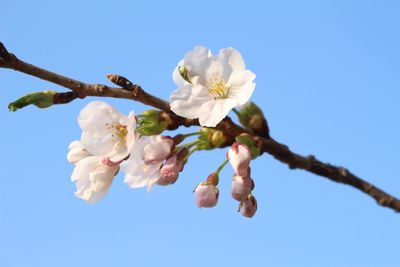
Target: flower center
118, 131
217, 87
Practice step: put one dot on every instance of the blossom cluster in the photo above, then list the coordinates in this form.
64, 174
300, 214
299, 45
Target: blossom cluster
110, 142
209, 87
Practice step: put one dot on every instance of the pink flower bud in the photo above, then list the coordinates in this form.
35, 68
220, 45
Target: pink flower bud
241, 187
174, 164
239, 156
206, 195
169, 171
248, 207
158, 151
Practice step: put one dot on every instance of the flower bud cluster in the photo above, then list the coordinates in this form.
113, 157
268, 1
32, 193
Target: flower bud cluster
239, 156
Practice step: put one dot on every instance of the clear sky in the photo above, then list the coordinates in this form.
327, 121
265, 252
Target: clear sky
327, 79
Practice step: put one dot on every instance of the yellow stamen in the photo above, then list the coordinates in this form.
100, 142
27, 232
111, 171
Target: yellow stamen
217, 87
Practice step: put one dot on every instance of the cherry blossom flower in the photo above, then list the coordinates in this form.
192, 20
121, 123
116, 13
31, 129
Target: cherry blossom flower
106, 132
93, 178
143, 167
239, 156
211, 86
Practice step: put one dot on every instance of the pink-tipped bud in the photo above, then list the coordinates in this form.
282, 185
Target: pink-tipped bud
239, 156
174, 164
241, 187
248, 207
206, 195
157, 151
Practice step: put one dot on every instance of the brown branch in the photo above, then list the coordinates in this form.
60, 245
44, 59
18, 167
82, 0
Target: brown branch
128, 90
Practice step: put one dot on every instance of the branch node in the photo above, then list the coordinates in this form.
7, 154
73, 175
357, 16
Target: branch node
343, 172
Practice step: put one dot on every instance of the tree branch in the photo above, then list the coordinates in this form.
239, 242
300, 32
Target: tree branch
128, 90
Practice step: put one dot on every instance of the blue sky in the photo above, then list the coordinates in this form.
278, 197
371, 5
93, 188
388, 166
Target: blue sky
327, 79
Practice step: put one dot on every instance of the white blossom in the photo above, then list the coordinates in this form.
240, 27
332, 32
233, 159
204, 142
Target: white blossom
93, 178
214, 86
143, 167
106, 132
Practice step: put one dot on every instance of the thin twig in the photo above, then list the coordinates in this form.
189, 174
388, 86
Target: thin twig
128, 90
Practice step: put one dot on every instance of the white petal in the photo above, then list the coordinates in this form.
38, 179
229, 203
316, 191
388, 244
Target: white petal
230, 56
92, 178
76, 152
185, 101
138, 174
198, 61
240, 77
241, 85
242, 94
213, 112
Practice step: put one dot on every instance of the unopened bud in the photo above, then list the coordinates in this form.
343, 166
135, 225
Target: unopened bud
206, 195
172, 167
241, 187
158, 151
211, 138
252, 117
248, 207
42, 99
153, 122
239, 156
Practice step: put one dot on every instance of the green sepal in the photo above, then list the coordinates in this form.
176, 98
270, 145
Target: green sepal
247, 140
152, 122
211, 138
184, 72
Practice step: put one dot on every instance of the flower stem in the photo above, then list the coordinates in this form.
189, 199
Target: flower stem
221, 166
188, 145
190, 134
236, 112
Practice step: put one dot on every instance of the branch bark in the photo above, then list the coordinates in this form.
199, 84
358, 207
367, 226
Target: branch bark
128, 90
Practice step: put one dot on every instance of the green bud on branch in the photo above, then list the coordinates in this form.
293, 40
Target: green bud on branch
248, 140
153, 122
252, 117
43, 99
211, 138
